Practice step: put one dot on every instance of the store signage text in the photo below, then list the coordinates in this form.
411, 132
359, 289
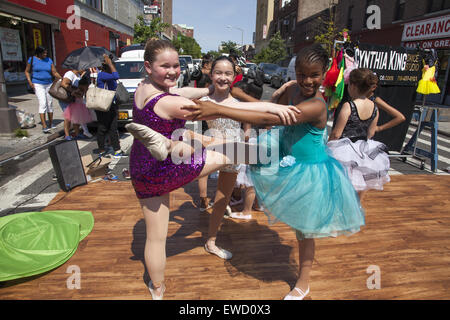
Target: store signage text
393, 65
427, 29
429, 44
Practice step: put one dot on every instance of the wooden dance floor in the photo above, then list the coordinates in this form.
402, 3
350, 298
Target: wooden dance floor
407, 236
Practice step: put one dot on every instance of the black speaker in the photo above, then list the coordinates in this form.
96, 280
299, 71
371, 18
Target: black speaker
67, 163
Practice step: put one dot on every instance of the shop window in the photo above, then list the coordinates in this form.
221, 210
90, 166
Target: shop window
400, 9
438, 5
284, 3
96, 4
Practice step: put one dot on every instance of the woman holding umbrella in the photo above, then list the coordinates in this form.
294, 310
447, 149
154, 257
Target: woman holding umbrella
39, 72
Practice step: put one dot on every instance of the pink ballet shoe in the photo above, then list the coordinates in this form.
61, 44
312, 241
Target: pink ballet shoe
155, 142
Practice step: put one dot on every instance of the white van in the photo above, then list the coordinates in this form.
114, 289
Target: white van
130, 67
189, 61
290, 74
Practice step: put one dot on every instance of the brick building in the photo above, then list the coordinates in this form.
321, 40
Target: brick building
62, 26
264, 17
284, 21
409, 23
184, 30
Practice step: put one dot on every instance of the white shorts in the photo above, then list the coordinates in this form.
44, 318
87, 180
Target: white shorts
45, 100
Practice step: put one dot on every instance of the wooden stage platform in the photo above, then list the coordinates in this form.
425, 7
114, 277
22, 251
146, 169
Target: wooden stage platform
407, 235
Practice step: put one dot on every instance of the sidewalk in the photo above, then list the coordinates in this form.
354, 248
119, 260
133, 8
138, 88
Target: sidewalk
11, 147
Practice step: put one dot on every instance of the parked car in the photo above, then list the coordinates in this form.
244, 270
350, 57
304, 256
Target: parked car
130, 67
268, 69
246, 68
278, 77
189, 62
185, 72
131, 47
252, 71
290, 74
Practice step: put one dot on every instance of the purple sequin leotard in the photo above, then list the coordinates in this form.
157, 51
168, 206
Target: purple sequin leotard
153, 178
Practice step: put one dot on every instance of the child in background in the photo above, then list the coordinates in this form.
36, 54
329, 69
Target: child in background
351, 141
76, 112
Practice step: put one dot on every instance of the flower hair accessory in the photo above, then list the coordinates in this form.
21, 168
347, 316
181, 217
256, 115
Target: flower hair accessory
287, 161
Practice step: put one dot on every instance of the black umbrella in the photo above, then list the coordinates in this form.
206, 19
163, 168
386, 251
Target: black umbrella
85, 58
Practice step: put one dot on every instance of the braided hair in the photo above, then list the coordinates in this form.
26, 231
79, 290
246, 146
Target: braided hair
312, 54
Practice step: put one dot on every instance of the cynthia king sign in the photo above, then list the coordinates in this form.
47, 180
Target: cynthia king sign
393, 65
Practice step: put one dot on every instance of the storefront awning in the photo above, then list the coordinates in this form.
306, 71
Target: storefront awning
28, 14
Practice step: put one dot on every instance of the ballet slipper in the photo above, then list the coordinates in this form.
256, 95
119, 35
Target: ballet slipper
153, 291
240, 215
300, 297
221, 253
155, 142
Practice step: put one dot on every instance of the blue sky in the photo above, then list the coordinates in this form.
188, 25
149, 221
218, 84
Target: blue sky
210, 18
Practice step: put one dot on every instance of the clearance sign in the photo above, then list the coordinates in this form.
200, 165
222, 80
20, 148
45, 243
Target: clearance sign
427, 34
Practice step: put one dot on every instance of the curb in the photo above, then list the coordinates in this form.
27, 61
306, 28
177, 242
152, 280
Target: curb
33, 145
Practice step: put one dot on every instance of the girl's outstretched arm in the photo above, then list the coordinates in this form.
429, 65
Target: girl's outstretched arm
397, 116
213, 111
307, 111
192, 93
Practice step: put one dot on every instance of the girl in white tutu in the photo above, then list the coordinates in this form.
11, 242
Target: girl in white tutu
350, 141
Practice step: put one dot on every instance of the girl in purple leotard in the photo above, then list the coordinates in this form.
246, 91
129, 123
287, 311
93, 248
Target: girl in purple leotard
158, 107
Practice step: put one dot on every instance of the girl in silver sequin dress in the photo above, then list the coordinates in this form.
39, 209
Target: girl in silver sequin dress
222, 75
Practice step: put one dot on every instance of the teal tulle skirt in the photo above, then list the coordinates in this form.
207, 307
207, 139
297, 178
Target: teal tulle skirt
311, 194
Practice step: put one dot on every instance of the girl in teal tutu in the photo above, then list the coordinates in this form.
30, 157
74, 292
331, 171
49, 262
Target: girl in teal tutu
306, 188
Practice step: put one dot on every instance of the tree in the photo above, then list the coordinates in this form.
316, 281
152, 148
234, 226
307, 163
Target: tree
187, 45
214, 54
274, 52
143, 32
230, 46
327, 32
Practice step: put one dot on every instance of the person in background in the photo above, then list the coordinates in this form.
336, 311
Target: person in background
70, 82
76, 112
39, 72
108, 121
238, 70
397, 116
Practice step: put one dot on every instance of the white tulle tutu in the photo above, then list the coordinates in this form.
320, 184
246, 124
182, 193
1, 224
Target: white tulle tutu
366, 162
243, 178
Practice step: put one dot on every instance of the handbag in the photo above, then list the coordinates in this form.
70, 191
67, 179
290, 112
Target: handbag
60, 93
122, 95
99, 99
